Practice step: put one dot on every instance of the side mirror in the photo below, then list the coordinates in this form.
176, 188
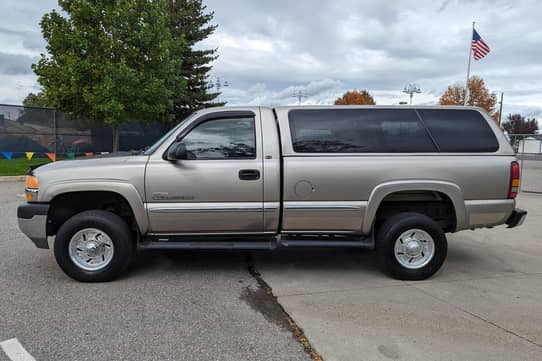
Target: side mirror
177, 151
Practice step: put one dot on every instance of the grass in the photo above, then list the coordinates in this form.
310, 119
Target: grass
18, 166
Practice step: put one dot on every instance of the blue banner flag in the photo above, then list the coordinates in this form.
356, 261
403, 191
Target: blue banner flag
8, 155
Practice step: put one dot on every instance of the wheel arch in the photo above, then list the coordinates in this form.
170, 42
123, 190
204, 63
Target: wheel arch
121, 189
380, 192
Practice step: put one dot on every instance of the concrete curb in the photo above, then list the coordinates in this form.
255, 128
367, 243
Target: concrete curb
12, 178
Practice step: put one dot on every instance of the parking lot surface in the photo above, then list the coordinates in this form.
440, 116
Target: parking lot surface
485, 304
176, 306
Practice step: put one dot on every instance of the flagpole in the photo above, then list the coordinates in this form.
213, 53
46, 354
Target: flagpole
468, 67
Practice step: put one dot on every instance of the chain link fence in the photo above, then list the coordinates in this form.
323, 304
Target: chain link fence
529, 152
45, 130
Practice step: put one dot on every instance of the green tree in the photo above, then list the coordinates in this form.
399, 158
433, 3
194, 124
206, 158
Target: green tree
109, 61
189, 22
34, 100
517, 124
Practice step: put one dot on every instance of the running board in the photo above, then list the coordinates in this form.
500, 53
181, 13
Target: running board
166, 245
258, 243
293, 243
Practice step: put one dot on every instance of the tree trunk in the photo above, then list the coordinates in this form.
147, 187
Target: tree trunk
116, 136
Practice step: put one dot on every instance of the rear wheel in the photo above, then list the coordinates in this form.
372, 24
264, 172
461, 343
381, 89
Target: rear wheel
94, 246
411, 246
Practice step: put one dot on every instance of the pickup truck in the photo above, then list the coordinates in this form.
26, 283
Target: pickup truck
391, 178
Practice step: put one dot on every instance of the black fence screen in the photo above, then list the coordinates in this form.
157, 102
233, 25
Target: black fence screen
45, 130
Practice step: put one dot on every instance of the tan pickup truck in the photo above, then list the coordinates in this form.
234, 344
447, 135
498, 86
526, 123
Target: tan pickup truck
391, 178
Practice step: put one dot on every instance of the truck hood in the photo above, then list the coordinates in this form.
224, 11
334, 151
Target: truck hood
123, 169
72, 165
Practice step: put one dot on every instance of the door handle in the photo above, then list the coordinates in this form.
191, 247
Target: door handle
249, 174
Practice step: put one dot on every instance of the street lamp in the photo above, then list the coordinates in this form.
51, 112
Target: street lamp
410, 89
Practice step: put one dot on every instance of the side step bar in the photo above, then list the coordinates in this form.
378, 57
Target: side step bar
294, 243
175, 245
178, 243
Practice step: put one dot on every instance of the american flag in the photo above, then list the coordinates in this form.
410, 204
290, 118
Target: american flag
479, 47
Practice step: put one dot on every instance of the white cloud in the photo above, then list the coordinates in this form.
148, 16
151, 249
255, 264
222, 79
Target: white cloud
268, 50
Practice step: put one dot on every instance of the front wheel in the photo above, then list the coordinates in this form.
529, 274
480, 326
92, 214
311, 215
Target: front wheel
94, 246
411, 246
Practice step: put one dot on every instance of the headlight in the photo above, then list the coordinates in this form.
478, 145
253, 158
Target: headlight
32, 186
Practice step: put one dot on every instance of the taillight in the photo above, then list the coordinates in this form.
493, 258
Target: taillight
514, 180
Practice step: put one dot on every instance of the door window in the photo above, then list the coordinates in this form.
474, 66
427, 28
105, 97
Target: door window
231, 138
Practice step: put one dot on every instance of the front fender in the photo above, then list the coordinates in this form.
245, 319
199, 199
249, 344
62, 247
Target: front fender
382, 190
123, 188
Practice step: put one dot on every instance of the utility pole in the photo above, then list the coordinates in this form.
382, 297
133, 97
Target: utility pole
410, 89
500, 109
299, 95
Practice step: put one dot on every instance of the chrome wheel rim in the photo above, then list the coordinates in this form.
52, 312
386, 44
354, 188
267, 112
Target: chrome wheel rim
414, 249
91, 249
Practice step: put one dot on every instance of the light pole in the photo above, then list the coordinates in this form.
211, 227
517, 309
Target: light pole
410, 89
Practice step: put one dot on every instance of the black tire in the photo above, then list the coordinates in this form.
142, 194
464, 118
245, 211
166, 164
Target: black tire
114, 226
389, 232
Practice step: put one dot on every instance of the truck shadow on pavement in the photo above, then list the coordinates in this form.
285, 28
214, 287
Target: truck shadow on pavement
462, 259
314, 259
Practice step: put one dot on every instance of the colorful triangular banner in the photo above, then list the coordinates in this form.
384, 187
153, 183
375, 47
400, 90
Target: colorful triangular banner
29, 155
52, 156
8, 155
70, 155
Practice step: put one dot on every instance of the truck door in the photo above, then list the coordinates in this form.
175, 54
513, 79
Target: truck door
219, 188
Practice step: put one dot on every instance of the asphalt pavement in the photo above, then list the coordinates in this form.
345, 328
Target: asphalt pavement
484, 304
172, 306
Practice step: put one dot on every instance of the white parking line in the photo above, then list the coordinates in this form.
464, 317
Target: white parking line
15, 350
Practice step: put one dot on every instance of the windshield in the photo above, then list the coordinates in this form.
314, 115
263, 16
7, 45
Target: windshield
160, 141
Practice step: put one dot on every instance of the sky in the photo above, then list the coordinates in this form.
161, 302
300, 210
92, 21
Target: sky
270, 50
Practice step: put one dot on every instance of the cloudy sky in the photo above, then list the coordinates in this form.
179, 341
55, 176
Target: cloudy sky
270, 50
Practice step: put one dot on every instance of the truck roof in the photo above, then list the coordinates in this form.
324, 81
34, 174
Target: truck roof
447, 107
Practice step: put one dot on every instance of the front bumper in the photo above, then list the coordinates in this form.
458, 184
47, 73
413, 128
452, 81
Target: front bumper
516, 218
32, 219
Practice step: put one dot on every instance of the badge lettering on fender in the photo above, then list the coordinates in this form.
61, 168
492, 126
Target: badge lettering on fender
164, 196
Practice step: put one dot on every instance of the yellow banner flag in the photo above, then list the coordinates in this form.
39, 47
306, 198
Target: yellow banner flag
29, 155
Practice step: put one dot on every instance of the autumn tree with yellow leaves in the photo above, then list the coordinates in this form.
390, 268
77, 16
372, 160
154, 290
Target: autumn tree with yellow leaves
478, 96
356, 97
